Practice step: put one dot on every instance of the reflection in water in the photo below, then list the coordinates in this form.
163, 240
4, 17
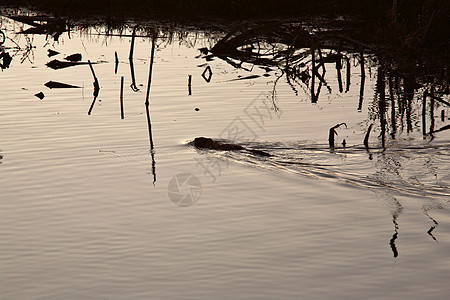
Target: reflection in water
392, 241
96, 88
348, 78
130, 59
5, 60
402, 115
122, 114
393, 112
147, 107
95, 94
56, 64
51, 52
207, 74
338, 69
49, 26
74, 57
116, 62
363, 79
426, 209
380, 90
294, 50
189, 85
10, 48
366, 137
133, 85
397, 209
40, 95
297, 52
59, 85
433, 227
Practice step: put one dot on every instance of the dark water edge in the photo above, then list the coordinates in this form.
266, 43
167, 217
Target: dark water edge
224, 8
406, 24
410, 37
407, 12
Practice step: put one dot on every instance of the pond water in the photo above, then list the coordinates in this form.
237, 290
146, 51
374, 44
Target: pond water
88, 211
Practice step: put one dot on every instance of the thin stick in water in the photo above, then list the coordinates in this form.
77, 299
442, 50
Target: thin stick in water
333, 132
366, 138
313, 75
96, 88
338, 69
121, 98
133, 36
96, 84
147, 107
424, 107
348, 67
92, 104
363, 79
130, 58
147, 98
116, 56
190, 85
432, 121
133, 77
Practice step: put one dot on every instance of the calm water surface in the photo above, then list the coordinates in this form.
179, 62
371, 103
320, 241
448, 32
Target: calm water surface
87, 212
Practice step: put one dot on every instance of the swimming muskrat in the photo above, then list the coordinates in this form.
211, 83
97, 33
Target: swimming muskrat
207, 143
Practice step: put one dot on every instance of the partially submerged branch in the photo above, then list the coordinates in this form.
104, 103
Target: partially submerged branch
334, 132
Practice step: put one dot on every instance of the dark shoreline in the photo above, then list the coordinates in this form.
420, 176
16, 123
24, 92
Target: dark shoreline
237, 9
407, 18
414, 37
229, 9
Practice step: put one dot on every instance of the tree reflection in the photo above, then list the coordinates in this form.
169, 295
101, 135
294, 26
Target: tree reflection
303, 54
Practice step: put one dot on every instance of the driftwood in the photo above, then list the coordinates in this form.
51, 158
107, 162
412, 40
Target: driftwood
58, 64
52, 52
59, 85
74, 57
40, 95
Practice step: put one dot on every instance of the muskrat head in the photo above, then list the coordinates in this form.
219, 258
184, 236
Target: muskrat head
202, 142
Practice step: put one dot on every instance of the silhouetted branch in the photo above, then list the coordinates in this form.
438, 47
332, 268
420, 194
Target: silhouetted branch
332, 133
366, 137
